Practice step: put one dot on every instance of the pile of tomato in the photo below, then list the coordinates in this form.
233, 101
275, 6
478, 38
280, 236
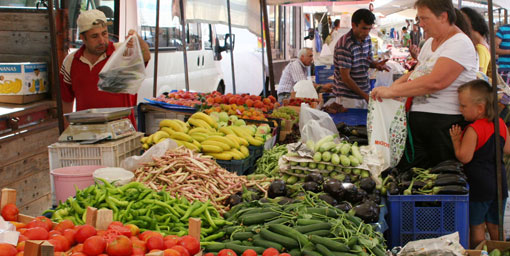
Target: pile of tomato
84, 240
249, 252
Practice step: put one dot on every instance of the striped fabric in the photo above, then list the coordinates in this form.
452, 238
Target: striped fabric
356, 56
504, 35
293, 73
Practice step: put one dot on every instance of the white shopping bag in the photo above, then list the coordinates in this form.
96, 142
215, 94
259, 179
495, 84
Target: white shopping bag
305, 89
387, 129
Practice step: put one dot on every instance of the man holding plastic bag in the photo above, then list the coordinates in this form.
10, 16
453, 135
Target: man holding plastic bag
79, 74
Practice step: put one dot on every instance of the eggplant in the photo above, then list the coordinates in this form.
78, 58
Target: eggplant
315, 177
417, 184
368, 184
360, 196
361, 141
393, 188
449, 162
450, 180
329, 199
351, 193
376, 198
450, 190
276, 189
360, 131
448, 169
368, 211
334, 188
405, 176
448, 175
344, 206
311, 186
347, 179
233, 200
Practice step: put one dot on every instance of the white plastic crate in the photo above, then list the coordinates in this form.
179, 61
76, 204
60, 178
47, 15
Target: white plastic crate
110, 153
152, 119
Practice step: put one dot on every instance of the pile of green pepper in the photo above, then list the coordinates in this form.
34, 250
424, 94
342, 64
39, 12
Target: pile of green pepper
136, 204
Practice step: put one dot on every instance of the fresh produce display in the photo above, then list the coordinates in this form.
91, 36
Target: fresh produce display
195, 177
308, 226
287, 114
238, 111
496, 252
298, 101
267, 164
446, 177
202, 133
183, 98
137, 204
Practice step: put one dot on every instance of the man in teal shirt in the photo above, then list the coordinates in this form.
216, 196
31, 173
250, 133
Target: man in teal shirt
503, 52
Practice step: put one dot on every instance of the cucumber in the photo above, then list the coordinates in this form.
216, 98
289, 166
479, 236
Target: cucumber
321, 233
289, 232
330, 244
216, 247
295, 252
278, 221
313, 227
241, 248
287, 242
322, 211
323, 250
258, 218
259, 241
311, 253
305, 222
231, 229
242, 236
291, 180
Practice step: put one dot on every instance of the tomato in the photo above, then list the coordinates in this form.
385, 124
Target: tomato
57, 245
22, 238
169, 243
138, 244
121, 246
115, 223
134, 229
37, 223
181, 249
249, 252
94, 245
77, 248
209, 254
36, 233
84, 232
78, 254
63, 241
10, 212
21, 246
190, 243
46, 221
146, 234
69, 234
20, 254
110, 235
171, 252
7, 250
53, 233
125, 231
155, 242
65, 224
271, 252
227, 252
59, 254
138, 252
284, 254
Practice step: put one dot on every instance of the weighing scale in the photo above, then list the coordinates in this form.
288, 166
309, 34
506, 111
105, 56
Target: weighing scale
96, 124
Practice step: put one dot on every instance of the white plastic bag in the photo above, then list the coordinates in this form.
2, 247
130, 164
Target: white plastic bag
133, 162
447, 245
315, 124
387, 130
305, 89
124, 71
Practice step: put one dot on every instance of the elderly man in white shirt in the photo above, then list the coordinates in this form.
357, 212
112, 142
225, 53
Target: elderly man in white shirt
296, 71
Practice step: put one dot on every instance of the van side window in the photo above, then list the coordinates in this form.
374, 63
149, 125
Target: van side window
207, 36
193, 39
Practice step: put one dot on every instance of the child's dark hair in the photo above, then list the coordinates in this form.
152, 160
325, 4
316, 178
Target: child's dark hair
481, 92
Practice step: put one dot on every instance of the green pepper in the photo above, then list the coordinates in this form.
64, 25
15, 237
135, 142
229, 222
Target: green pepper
193, 207
199, 210
118, 202
209, 219
214, 236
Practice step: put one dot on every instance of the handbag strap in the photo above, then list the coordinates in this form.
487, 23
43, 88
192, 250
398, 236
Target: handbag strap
411, 144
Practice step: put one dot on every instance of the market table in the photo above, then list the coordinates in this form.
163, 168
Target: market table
353, 117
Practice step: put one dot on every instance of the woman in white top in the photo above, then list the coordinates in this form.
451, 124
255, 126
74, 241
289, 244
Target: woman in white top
446, 61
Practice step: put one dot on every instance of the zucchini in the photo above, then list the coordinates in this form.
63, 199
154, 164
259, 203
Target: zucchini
216, 247
323, 211
323, 250
378, 251
311, 253
259, 241
241, 248
289, 232
287, 242
294, 252
329, 243
322, 233
242, 236
313, 227
258, 218
231, 229
305, 222
278, 221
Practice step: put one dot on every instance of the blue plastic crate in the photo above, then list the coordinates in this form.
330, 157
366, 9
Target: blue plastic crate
418, 217
322, 74
237, 166
255, 153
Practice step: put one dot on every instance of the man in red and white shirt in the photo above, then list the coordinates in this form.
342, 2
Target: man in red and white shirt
80, 69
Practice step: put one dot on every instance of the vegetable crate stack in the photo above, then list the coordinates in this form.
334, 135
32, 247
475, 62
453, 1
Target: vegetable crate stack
428, 203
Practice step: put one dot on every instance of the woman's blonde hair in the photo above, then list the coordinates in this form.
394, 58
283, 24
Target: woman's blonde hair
480, 92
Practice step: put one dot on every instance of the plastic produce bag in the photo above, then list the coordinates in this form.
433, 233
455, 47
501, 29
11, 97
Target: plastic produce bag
133, 162
387, 130
305, 89
315, 124
444, 245
124, 71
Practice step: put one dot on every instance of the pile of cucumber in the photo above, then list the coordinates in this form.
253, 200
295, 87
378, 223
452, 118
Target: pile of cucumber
306, 227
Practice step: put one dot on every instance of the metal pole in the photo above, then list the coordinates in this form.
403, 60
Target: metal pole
231, 49
496, 119
262, 45
156, 51
54, 64
460, 4
268, 49
183, 39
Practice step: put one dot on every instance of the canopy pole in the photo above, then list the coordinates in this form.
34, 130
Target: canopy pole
54, 66
268, 49
496, 119
231, 48
184, 46
156, 51
262, 46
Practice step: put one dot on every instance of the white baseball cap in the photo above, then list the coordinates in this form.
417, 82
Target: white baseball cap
91, 19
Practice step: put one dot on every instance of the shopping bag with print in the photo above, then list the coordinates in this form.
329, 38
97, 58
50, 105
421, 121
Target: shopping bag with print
387, 129
124, 71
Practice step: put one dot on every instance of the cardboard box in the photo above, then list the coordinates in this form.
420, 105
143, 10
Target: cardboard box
491, 245
473, 252
23, 79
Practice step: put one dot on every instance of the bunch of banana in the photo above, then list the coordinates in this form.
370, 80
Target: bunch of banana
200, 119
225, 147
173, 129
247, 134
